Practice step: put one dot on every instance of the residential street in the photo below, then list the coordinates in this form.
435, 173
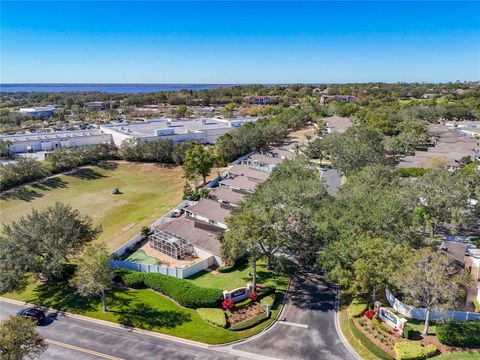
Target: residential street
82, 340
306, 331
307, 328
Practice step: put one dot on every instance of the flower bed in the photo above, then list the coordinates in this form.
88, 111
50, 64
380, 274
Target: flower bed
244, 313
378, 333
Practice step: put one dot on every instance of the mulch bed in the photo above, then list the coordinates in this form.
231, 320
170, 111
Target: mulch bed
244, 313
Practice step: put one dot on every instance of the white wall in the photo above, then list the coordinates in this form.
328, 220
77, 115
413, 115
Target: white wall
51, 144
419, 313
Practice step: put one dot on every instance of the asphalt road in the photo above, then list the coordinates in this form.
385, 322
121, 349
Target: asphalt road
307, 329
333, 180
76, 339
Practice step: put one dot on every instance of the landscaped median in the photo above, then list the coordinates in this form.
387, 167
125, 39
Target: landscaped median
191, 312
372, 339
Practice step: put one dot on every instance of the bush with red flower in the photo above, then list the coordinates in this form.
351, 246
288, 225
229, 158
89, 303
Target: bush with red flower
228, 304
370, 314
253, 296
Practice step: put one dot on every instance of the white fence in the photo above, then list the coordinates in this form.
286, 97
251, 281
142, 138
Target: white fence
180, 273
419, 313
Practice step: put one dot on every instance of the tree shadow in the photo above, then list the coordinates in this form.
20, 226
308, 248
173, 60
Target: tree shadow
24, 193
86, 174
312, 292
61, 296
141, 315
50, 184
107, 165
21, 193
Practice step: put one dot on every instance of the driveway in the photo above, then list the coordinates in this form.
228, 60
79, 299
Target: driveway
307, 328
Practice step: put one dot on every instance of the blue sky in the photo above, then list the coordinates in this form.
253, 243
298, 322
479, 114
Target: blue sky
238, 42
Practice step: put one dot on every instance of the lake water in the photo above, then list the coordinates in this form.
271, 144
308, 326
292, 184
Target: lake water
107, 88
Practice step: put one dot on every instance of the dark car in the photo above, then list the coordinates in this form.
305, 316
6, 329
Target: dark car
32, 313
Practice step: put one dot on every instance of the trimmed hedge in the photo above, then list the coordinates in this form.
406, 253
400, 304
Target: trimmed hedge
459, 333
183, 292
213, 316
414, 350
264, 291
134, 279
410, 172
408, 332
370, 346
357, 307
248, 323
268, 300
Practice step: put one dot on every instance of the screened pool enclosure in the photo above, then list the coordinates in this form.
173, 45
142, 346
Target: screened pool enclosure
170, 244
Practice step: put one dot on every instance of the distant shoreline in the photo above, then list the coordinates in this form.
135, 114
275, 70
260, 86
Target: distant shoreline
107, 88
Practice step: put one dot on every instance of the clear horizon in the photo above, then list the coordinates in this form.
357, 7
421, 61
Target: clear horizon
238, 43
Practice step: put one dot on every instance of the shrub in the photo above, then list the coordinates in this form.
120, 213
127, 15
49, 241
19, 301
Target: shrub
413, 350
357, 307
253, 296
375, 323
183, 292
369, 314
264, 291
134, 279
249, 323
410, 172
233, 267
213, 316
268, 300
459, 333
374, 349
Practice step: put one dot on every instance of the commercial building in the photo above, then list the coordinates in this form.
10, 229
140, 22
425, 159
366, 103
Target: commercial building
205, 130
40, 111
33, 142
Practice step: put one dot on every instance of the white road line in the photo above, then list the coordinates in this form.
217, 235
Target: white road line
251, 356
86, 351
305, 326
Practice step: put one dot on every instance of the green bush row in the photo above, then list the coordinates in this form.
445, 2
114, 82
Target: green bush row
264, 291
410, 172
414, 350
370, 346
357, 307
213, 316
268, 300
459, 333
248, 323
183, 292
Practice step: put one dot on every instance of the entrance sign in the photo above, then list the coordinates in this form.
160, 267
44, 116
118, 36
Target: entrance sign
239, 294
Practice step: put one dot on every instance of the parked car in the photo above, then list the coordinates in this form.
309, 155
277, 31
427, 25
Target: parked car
33, 313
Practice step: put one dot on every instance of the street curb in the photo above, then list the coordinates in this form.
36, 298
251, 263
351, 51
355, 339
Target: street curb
159, 335
113, 325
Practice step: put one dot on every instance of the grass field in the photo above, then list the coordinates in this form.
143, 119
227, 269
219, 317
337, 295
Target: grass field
239, 277
136, 308
148, 192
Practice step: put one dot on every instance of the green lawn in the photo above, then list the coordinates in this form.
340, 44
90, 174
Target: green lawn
462, 355
138, 308
148, 192
239, 277
140, 256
